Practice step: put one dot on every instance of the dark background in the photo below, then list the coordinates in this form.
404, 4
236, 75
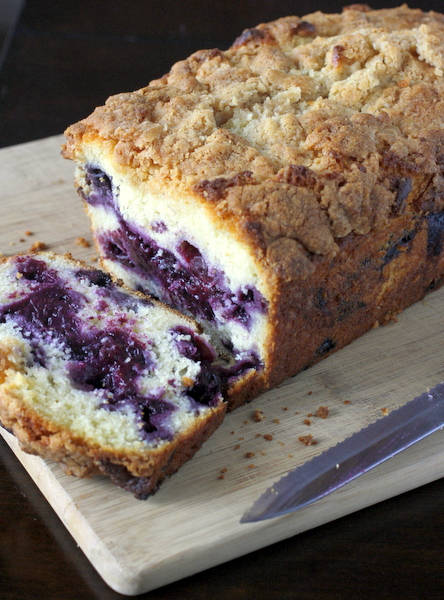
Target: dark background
68, 56
65, 58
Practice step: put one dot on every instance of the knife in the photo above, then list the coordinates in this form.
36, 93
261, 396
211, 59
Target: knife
352, 457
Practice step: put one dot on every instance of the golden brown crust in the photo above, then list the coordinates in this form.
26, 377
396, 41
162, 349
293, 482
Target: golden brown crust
294, 131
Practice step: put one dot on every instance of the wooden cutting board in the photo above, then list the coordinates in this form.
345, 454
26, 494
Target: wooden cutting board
192, 523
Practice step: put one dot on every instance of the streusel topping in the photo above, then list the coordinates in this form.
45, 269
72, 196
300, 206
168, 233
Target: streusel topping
305, 130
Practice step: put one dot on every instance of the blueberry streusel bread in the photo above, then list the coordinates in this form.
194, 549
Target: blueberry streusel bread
103, 380
287, 192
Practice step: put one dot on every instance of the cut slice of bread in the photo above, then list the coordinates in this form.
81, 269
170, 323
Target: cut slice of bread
103, 380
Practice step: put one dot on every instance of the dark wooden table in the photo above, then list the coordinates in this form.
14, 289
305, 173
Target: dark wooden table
67, 57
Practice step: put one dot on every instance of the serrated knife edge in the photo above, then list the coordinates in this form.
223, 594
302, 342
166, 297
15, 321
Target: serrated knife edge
352, 457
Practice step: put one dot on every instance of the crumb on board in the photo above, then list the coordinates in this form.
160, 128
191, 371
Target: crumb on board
346, 402
307, 440
268, 437
249, 454
251, 466
276, 421
83, 242
37, 245
322, 412
385, 411
307, 422
258, 416
222, 473
236, 447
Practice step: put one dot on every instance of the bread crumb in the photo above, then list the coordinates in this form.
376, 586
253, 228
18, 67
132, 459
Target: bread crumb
307, 422
309, 393
268, 437
385, 411
276, 421
236, 447
28, 232
322, 412
310, 415
258, 416
252, 466
37, 245
249, 454
346, 402
222, 473
307, 440
81, 241
285, 408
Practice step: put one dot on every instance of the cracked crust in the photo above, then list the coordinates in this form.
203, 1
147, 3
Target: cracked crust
305, 121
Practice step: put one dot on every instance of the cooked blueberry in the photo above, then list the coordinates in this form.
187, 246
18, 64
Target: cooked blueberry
327, 345
101, 186
435, 233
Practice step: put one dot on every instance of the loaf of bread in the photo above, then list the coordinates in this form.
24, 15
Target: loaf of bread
103, 380
287, 192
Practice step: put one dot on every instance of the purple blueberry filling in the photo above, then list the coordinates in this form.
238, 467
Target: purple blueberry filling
186, 280
101, 187
112, 360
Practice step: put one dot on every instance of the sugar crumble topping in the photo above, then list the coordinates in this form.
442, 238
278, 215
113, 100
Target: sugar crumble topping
296, 128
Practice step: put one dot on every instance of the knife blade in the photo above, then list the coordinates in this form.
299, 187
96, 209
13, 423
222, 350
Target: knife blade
352, 457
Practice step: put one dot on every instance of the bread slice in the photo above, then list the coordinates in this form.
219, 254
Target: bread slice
101, 379
287, 192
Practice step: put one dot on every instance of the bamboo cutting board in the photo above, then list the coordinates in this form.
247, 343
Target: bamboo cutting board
192, 523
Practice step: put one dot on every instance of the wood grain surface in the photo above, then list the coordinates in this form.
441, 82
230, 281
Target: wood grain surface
192, 523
